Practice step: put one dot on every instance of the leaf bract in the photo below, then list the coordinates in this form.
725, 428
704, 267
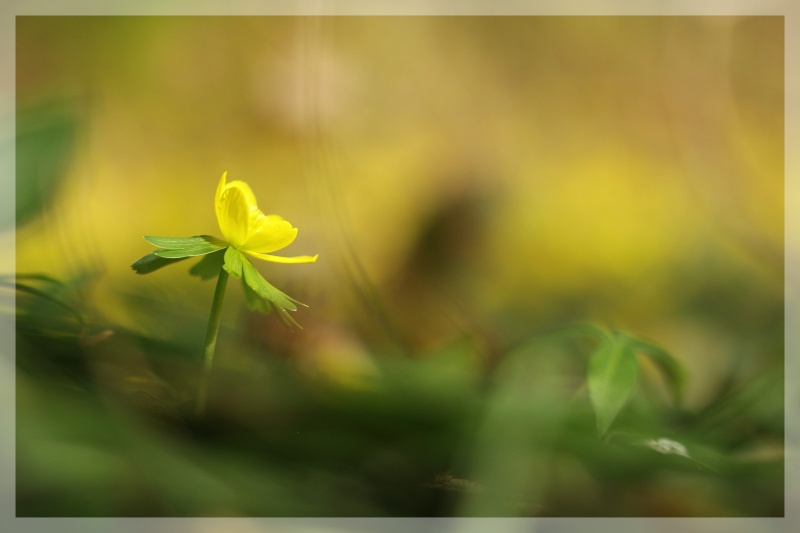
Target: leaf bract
612, 375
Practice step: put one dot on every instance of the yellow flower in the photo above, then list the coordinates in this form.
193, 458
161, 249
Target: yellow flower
248, 229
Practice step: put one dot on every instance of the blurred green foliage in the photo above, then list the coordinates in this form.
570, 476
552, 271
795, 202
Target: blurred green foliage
106, 428
44, 144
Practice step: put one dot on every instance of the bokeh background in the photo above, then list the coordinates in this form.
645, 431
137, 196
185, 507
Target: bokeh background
468, 182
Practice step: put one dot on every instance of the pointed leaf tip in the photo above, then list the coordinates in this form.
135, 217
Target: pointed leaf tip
152, 262
611, 376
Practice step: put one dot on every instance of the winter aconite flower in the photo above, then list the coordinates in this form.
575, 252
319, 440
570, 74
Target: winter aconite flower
248, 229
247, 232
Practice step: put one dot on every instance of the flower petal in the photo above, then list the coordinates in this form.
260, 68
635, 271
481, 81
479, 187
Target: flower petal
248, 229
245, 190
233, 215
224, 186
281, 259
268, 233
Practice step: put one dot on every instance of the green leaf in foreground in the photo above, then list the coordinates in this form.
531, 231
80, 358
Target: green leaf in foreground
612, 376
21, 287
674, 371
45, 142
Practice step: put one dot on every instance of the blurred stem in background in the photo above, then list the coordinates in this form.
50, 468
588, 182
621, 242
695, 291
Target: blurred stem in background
211, 341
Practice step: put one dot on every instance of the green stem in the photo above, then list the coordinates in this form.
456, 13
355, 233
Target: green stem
211, 341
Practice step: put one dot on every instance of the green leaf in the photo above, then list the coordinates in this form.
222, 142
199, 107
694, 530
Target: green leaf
260, 295
256, 281
151, 262
180, 247
182, 243
209, 266
44, 145
233, 262
593, 331
186, 252
21, 287
670, 366
611, 377
287, 319
254, 301
9, 279
277, 299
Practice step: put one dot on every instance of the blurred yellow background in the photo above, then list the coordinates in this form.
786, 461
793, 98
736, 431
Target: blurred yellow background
489, 175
